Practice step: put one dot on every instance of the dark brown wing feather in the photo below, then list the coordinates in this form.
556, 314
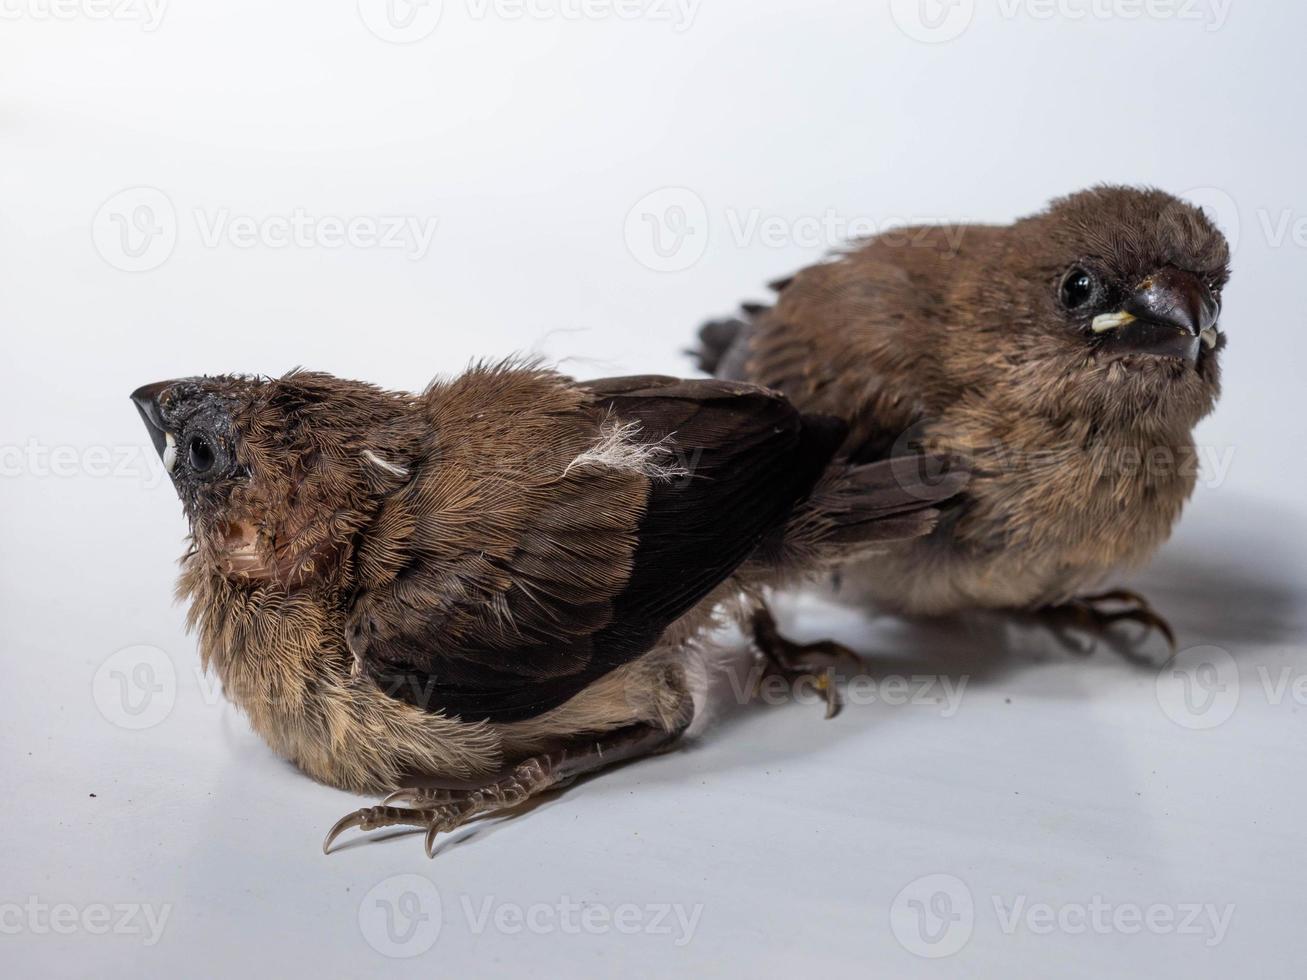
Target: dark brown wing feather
749, 458
580, 574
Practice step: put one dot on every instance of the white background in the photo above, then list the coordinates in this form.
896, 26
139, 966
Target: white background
1061, 780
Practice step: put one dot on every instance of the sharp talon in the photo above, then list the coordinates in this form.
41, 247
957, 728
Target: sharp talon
430, 843
376, 817
1150, 618
833, 700
354, 819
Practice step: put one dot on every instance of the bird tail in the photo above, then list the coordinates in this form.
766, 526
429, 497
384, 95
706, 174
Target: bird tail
724, 344
717, 342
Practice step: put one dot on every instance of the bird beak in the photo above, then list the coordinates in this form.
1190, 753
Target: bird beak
1172, 313
148, 402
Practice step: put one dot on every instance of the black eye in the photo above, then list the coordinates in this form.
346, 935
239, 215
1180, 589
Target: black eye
1078, 288
200, 454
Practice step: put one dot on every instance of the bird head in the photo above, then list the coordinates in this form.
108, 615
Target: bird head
275, 475
1105, 306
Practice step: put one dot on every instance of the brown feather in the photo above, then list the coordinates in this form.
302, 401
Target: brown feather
951, 339
373, 574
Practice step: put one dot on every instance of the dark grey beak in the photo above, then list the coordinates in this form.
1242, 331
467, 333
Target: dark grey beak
1172, 313
1177, 299
146, 399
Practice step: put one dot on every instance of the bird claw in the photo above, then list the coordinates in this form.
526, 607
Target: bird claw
375, 818
440, 811
795, 661
436, 820
1088, 613
825, 683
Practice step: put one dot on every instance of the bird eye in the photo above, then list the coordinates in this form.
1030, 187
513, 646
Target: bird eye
1078, 288
200, 454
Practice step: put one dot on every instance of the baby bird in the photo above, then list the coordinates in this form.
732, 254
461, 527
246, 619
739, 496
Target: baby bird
473, 595
1066, 358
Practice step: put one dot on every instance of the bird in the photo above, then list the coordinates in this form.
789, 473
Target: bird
1064, 358
471, 595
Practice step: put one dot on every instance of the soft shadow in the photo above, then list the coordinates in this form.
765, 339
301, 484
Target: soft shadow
1232, 579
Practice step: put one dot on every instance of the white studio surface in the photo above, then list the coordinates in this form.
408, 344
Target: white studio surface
389, 191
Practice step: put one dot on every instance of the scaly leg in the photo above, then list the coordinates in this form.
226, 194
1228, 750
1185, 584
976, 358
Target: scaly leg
793, 661
441, 810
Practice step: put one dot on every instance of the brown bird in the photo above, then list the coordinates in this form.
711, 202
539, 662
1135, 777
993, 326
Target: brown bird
472, 595
1066, 358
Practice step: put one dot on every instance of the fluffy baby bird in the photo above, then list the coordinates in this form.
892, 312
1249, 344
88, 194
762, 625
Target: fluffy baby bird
1067, 357
472, 595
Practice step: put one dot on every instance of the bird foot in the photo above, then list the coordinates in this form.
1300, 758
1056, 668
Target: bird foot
441, 811
794, 662
1097, 613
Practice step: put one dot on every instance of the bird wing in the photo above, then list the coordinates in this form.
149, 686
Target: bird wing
558, 530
